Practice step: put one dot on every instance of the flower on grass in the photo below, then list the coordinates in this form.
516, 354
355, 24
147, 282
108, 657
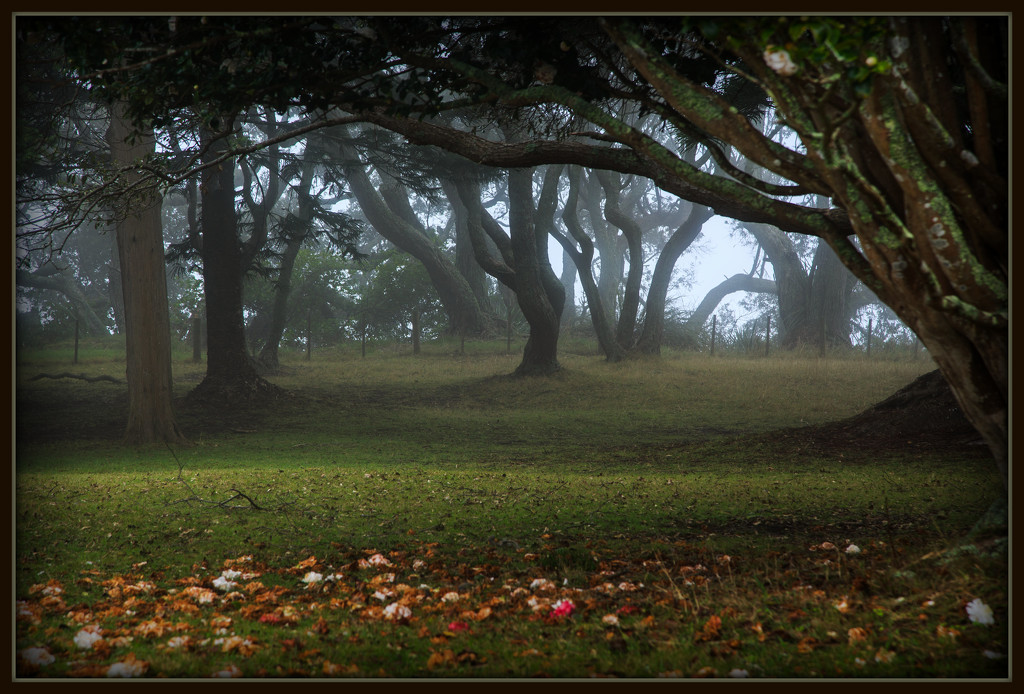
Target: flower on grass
856, 634
979, 612
376, 560
230, 671
223, 583
36, 656
129, 667
884, 656
853, 549
179, 642
610, 620
450, 596
397, 611
541, 584
312, 577
562, 608
458, 626
88, 636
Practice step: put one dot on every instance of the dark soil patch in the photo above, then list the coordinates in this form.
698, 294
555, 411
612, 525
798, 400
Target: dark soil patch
922, 417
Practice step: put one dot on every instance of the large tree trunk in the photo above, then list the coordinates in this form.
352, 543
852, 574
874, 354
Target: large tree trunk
538, 290
147, 329
649, 341
633, 236
230, 372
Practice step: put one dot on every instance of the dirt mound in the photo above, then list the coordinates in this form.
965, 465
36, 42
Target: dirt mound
923, 415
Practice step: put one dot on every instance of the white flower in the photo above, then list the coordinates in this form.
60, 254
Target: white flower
610, 619
736, 672
37, 656
853, 549
127, 668
450, 596
178, 642
230, 671
312, 577
230, 574
85, 638
222, 583
779, 61
397, 611
979, 612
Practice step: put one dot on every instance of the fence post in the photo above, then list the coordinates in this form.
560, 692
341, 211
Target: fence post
869, 336
74, 360
714, 325
767, 336
309, 335
197, 337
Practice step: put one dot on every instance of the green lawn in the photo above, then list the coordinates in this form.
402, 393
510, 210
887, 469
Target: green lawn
401, 516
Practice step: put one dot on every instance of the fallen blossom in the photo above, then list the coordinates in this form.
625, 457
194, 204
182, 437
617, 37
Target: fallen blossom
541, 584
88, 636
179, 642
36, 656
853, 549
130, 667
419, 564
562, 608
884, 656
450, 596
223, 584
610, 619
736, 672
458, 626
397, 611
312, 577
230, 671
979, 612
200, 595
376, 560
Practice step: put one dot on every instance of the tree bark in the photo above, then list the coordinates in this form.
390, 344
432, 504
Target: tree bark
230, 372
538, 290
151, 417
460, 304
654, 314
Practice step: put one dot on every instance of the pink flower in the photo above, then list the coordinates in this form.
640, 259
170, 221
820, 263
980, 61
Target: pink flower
562, 608
458, 626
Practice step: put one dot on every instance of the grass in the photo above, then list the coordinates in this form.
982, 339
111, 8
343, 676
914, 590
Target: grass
644, 493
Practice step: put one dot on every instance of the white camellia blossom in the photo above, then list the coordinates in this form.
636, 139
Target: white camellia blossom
779, 61
853, 549
223, 583
37, 656
127, 668
397, 611
979, 612
85, 638
312, 577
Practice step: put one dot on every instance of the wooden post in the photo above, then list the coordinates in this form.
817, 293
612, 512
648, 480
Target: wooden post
508, 328
74, 360
714, 325
869, 336
364, 339
821, 335
309, 335
416, 330
767, 336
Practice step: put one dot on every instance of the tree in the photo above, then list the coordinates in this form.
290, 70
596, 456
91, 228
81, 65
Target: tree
147, 324
917, 179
